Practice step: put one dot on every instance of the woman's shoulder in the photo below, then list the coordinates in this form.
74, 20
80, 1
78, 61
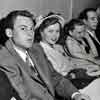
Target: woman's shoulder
59, 48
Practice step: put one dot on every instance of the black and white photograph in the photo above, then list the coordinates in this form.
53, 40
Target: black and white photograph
49, 49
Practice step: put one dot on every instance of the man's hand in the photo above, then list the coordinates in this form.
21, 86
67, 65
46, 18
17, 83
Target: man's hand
81, 97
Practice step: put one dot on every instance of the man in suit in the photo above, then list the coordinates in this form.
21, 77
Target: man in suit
98, 26
89, 17
33, 80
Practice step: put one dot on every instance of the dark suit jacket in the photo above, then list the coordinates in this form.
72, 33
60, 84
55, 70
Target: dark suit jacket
24, 81
62, 86
97, 31
6, 90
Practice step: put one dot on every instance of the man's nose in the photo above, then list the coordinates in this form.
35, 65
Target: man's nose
31, 33
96, 20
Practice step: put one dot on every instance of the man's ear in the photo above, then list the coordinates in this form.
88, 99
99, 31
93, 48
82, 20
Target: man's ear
9, 32
84, 21
70, 32
42, 34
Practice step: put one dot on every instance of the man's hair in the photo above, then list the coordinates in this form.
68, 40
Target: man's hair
83, 14
11, 17
70, 26
3, 36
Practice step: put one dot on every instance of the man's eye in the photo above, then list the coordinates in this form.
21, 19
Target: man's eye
51, 31
22, 28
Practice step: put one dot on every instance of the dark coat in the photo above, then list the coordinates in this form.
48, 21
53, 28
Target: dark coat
62, 86
6, 90
26, 83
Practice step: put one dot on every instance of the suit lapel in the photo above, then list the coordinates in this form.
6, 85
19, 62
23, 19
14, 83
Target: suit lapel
40, 67
95, 38
19, 61
36, 60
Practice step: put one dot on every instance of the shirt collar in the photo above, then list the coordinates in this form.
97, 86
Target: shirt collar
45, 45
21, 53
92, 33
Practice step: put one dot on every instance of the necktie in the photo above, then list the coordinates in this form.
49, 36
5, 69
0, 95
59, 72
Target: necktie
87, 47
33, 69
31, 65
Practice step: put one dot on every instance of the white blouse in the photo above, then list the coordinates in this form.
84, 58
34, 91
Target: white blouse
60, 63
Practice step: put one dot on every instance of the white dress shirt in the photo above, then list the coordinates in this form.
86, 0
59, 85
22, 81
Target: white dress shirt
23, 55
92, 45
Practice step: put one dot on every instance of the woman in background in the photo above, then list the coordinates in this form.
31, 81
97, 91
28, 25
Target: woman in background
48, 31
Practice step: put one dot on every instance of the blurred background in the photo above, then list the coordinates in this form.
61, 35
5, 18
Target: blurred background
68, 8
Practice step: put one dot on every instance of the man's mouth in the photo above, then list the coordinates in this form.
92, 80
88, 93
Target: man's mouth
54, 39
30, 40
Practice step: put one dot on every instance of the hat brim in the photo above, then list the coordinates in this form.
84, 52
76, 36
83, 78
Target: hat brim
60, 19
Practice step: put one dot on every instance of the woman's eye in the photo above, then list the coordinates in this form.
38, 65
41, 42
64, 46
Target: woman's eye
32, 29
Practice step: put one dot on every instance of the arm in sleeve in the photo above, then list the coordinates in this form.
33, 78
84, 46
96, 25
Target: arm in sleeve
62, 86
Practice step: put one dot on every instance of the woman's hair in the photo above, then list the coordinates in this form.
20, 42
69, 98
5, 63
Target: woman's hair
46, 23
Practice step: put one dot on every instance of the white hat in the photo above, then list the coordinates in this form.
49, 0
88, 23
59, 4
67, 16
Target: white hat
40, 19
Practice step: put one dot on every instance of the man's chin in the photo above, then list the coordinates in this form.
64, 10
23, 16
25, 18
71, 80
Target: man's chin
28, 46
53, 42
94, 28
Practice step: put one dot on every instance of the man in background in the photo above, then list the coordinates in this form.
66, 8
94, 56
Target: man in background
89, 17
